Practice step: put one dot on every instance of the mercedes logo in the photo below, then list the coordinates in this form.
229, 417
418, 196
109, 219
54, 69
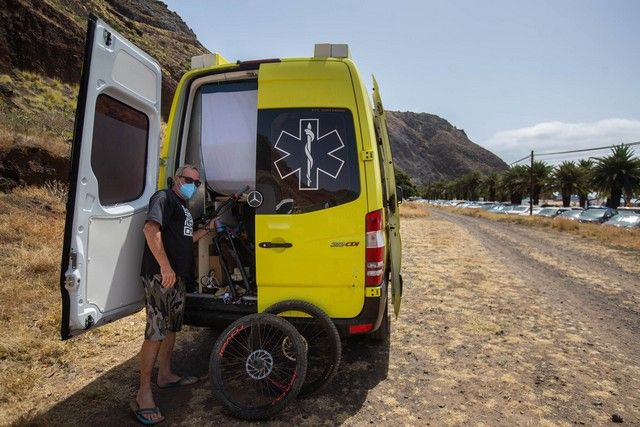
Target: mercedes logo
254, 199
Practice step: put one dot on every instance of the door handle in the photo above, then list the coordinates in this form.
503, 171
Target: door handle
269, 245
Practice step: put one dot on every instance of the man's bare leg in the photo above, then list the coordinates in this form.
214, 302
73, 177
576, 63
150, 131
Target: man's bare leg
148, 356
165, 374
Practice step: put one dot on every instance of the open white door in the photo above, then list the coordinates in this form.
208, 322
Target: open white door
114, 166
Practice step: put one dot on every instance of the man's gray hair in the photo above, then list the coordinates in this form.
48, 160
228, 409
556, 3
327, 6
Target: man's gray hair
184, 167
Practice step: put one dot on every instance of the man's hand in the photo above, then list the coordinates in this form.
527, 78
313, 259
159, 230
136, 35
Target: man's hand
168, 276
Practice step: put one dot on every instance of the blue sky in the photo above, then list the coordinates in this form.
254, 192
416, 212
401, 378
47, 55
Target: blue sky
515, 75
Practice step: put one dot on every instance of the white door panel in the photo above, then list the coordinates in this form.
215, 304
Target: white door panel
117, 252
113, 174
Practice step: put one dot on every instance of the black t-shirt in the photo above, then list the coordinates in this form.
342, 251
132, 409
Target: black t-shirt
170, 211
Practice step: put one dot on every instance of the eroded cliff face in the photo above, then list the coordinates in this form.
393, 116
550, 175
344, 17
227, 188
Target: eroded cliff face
427, 148
47, 37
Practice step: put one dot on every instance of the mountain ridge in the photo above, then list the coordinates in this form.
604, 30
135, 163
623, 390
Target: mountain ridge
428, 148
42, 49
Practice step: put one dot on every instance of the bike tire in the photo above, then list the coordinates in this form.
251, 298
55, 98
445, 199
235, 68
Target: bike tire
324, 347
251, 373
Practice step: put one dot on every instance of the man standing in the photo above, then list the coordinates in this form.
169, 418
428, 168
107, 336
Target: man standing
167, 265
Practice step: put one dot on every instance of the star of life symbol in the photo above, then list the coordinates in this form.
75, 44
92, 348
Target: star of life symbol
303, 156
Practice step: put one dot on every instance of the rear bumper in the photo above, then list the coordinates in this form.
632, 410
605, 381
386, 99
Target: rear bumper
371, 313
202, 310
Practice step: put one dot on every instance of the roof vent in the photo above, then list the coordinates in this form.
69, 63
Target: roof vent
207, 60
328, 50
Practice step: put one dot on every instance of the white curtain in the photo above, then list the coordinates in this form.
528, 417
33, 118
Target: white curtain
229, 129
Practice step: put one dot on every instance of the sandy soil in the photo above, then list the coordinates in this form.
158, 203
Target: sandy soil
501, 325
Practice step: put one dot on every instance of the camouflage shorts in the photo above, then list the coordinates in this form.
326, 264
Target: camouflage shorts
165, 307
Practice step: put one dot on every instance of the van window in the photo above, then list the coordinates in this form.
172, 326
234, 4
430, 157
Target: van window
307, 159
119, 151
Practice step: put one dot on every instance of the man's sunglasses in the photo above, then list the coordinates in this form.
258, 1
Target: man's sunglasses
190, 180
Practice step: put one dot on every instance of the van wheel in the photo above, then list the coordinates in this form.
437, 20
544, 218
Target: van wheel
383, 333
258, 366
324, 349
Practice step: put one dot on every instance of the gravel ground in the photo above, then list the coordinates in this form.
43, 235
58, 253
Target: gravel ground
501, 325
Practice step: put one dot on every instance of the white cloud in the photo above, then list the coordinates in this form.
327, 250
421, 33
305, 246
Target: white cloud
559, 136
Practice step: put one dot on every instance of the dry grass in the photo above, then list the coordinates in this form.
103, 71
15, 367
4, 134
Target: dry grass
413, 210
34, 363
9, 138
611, 236
38, 105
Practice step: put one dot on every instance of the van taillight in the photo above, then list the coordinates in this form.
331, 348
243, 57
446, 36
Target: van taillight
374, 263
360, 329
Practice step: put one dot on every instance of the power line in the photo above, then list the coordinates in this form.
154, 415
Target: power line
573, 151
518, 161
584, 149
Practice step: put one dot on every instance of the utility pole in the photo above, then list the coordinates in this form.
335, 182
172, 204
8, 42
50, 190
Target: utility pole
531, 181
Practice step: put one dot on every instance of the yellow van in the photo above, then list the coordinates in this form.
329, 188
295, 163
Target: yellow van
319, 221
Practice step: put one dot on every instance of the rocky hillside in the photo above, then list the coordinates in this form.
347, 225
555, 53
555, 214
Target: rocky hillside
41, 54
427, 148
46, 37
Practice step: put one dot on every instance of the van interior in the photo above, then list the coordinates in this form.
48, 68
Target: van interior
219, 137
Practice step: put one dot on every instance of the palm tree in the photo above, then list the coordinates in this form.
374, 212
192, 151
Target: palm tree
541, 173
585, 166
515, 182
468, 186
489, 186
566, 179
439, 189
617, 174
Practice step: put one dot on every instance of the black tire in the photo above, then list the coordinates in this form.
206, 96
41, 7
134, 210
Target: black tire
383, 333
258, 366
323, 341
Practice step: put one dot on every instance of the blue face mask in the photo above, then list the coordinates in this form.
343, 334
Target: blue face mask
188, 190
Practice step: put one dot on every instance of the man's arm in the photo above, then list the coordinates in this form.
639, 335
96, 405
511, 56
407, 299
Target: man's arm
199, 234
153, 234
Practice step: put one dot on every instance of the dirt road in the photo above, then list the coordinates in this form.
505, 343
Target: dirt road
501, 325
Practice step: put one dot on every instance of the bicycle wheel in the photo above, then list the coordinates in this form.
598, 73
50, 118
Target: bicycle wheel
322, 339
258, 366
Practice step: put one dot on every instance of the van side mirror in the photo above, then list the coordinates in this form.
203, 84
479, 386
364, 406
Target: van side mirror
399, 194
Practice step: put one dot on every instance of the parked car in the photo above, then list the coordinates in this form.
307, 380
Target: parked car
519, 210
500, 209
597, 215
551, 212
571, 215
536, 210
625, 219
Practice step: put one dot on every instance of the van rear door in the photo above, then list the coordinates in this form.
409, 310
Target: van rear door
114, 165
391, 204
310, 228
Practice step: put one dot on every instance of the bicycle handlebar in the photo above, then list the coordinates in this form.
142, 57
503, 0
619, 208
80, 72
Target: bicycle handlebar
232, 198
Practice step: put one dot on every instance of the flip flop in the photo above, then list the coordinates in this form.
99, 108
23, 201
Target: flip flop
141, 414
181, 382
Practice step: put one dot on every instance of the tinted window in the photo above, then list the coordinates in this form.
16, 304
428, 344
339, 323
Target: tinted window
307, 159
119, 151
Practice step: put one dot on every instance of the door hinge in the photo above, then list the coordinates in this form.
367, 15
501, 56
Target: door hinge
367, 155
